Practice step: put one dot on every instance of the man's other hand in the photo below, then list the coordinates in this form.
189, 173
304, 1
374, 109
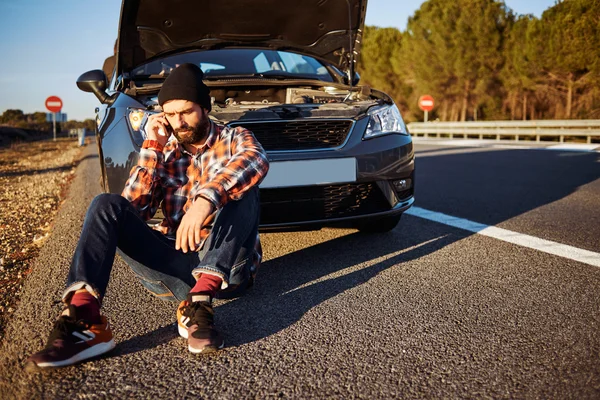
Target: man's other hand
157, 128
188, 233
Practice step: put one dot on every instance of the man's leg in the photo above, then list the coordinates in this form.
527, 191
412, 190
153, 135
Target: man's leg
230, 249
111, 221
226, 261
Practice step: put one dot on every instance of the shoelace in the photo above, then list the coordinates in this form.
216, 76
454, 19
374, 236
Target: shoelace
199, 314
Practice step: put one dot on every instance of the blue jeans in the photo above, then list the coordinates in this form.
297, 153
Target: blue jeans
111, 224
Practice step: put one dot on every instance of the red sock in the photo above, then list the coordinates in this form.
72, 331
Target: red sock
88, 307
207, 284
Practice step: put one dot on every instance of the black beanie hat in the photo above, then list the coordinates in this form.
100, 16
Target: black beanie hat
185, 83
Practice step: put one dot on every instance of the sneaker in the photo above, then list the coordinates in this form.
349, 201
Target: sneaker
195, 322
72, 341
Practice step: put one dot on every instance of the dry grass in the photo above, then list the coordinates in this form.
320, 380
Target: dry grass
33, 180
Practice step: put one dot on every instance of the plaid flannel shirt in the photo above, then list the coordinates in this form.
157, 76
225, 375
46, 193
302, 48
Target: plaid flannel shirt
230, 162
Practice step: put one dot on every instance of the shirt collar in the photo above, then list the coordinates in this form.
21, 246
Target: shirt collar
212, 137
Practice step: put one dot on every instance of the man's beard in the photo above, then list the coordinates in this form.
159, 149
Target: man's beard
195, 134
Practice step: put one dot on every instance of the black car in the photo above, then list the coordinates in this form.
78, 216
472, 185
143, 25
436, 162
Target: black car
340, 153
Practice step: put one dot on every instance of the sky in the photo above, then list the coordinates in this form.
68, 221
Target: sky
46, 45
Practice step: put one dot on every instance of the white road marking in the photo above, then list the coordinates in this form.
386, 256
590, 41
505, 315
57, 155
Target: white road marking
532, 242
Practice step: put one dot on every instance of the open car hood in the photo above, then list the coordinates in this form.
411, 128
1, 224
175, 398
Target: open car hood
329, 30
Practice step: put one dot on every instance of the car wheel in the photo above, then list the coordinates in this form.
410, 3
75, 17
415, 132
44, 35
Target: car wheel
379, 225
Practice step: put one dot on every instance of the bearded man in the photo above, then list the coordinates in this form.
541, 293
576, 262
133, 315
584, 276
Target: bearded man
205, 179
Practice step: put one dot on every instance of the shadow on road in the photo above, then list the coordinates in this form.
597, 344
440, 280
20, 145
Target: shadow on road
145, 342
291, 285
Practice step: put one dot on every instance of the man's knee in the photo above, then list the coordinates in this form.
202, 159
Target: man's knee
107, 201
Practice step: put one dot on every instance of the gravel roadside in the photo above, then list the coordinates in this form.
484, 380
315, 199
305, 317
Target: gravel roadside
34, 178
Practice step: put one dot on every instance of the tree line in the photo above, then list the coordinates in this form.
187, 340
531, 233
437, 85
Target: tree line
37, 121
479, 60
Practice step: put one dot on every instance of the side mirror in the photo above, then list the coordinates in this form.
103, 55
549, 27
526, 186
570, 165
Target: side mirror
95, 82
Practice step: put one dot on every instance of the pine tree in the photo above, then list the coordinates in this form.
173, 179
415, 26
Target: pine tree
570, 57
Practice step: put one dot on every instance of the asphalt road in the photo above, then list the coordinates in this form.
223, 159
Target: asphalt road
425, 311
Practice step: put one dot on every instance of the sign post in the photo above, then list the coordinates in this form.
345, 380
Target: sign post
54, 105
426, 104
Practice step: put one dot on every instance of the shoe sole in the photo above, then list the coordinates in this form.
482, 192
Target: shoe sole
93, 351
209, 349
182, 331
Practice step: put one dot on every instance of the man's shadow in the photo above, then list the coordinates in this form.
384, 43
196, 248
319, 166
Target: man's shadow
289, 286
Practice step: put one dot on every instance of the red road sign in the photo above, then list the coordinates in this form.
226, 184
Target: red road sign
426, 103
54, 104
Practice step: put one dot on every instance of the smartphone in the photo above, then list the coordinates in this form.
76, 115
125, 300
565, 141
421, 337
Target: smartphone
169, 128
147, 113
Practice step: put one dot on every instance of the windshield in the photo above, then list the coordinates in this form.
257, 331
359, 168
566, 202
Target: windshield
241, 62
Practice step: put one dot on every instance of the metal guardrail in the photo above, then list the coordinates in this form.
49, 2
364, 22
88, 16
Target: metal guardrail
561, 129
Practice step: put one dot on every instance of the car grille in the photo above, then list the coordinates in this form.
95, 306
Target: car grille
311, 203
299, 135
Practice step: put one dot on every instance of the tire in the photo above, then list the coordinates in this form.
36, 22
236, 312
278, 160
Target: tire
380, 225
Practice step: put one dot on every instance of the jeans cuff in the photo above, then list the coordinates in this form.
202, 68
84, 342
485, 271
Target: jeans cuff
205, 269
72, 288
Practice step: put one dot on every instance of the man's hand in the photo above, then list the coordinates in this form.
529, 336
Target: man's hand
157, 128
188, 233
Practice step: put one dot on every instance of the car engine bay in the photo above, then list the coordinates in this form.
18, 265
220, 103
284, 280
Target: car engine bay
262, 102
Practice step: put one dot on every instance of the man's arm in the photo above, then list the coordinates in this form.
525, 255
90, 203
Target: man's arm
247, 167
142, 189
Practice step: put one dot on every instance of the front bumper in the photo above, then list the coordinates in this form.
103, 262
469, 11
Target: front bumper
371, 195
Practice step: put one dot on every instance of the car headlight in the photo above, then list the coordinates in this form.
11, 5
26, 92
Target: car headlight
138, 119
385, 120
